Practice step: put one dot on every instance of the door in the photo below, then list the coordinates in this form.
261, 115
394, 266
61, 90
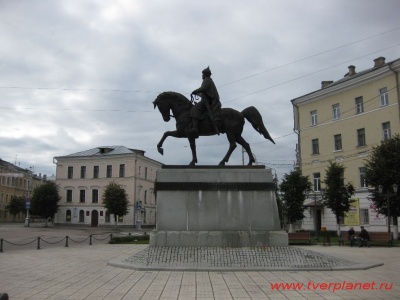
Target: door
95, 218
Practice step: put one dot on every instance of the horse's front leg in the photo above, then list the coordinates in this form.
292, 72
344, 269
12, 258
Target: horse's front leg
192, 142
232, 146
166, 134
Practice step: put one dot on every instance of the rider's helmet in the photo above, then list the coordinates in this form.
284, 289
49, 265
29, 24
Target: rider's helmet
207, 71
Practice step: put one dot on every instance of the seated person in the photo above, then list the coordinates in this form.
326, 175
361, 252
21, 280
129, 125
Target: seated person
351, 236
363, 237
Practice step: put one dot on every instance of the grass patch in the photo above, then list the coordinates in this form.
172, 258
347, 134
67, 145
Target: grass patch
133, 239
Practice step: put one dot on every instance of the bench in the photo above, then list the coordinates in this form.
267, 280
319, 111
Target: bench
300, 236
373, 237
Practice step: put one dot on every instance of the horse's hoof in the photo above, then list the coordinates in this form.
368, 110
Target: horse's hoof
192, 164
160, 150
222, 163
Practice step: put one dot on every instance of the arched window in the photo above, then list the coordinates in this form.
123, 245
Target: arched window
68, 216
107, 220
81, 216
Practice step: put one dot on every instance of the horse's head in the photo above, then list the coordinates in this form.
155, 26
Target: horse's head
172, 101
163, 106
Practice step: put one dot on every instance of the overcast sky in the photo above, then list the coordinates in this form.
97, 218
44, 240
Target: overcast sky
78, 74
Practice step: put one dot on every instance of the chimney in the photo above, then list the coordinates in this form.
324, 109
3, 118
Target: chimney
379, 62
352, 70
324, 84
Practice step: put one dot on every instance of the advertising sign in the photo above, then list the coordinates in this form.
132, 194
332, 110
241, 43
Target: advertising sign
375, 218
352, 217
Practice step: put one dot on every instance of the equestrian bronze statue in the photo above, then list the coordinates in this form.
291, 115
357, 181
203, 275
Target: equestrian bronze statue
228, 121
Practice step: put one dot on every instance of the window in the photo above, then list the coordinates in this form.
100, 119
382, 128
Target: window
81, 216
145, 197
315, 146
386, 131
122, 170
361, 137
120, 219
317, 182
364, 216
336, 111
70, 172
107, 218
359, 105
338, 142
314, 120
69, 195
363, 182
82, 196
384, 96
68, 216
83, 172
95, 196
145, 173
96, 172
109, 171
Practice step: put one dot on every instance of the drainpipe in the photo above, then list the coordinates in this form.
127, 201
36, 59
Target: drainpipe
134, 194
397, 87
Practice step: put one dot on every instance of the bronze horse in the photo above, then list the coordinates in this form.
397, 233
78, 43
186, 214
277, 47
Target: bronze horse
232, 122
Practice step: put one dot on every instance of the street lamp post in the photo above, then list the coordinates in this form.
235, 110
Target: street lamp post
387, 196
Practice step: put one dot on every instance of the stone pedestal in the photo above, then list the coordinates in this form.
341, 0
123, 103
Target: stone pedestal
208, 206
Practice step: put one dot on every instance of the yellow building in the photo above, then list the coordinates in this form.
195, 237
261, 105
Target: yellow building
83, 176
341, 122
15, 181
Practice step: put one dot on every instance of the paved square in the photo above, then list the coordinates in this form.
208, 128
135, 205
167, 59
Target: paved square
81, 272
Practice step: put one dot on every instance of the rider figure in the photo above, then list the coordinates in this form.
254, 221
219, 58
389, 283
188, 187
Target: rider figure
209, 103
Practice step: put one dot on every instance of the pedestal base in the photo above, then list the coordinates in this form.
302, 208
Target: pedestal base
216, 207
218, 238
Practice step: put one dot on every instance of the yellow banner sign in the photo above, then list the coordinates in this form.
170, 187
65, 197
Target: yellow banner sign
352, 217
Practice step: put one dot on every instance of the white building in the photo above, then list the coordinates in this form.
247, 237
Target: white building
83, 176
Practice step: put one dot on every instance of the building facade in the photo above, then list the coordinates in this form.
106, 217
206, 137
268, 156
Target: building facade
83, 176
341, 122
15, 181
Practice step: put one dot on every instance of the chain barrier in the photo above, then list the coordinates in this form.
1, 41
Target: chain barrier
67, 239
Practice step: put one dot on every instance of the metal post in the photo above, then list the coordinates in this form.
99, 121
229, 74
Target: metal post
90, 239
388, 207
1, 245
66, 241
38, 243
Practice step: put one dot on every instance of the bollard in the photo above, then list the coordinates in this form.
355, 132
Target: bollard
38, 243
129, 234
66, 241
90, 239
1, 245
110, 237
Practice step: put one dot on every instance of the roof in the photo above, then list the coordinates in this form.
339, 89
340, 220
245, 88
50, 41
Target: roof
104, 151
349, 78
9, 167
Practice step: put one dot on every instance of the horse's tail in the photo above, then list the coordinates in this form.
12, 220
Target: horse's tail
254, 117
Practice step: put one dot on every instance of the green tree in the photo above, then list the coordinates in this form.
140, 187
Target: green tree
115, 200
45, 199
383, 168
337, 194
16, 205
293, 188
